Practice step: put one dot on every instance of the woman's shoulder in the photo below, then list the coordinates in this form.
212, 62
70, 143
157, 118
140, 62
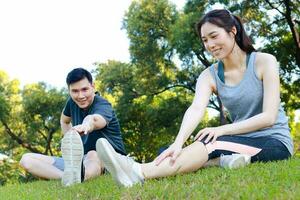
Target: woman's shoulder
207, 72
264, 62
207, 78
263, 58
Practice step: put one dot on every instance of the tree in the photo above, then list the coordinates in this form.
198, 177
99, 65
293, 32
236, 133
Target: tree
147, 24
147, 121
30, 118
42, 107
162, 34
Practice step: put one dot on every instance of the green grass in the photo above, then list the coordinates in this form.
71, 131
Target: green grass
276, 180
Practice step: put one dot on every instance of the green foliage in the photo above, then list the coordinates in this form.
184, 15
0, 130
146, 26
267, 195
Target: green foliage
296, 130
147, 24
11, 173
29, 121
4, 107
8, 89
184, 38
8, 172
42, 107
30, 117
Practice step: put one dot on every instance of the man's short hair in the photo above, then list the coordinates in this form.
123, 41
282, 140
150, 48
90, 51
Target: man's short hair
78, 74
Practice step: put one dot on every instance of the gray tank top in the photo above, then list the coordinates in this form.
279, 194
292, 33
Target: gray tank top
245, 100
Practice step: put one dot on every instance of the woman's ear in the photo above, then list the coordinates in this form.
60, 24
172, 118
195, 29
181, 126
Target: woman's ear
234, 31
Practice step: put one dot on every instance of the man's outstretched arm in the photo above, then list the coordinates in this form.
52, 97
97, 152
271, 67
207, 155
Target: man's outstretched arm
90, 123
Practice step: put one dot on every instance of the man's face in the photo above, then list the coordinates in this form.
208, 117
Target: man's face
82, 93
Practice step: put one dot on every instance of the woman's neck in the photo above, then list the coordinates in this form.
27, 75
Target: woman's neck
235, 60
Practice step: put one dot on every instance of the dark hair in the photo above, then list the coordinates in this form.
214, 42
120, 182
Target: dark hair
78, 74
224, 19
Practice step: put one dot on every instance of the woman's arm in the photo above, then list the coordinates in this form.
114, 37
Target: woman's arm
195, 112
192, 116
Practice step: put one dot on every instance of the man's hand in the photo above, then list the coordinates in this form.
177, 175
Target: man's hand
82, 129
86, 126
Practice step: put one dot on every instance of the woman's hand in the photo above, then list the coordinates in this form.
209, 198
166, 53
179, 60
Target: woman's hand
211, 133
173, 151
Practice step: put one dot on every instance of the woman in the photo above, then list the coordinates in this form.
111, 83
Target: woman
247, 83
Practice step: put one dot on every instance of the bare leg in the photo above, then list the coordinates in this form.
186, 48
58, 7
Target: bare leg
191, 159
127, 172
92, 164
40, 165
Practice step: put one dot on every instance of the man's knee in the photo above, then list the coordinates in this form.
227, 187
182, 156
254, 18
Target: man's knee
92, 155
93, 165
92, 169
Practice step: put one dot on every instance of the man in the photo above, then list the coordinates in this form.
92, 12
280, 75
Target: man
85, 118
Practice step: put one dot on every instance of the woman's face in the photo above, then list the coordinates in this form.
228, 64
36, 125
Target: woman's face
216, 40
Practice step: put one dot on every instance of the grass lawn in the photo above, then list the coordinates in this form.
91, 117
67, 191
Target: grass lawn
276, 180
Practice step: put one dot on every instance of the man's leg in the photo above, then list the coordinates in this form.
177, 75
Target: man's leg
92, 164
40, 165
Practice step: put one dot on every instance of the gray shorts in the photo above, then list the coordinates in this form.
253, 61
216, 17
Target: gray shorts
59, 162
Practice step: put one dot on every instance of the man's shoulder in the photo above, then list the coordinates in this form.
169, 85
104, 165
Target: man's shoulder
100, 100
102, 106
70, 101
98, 97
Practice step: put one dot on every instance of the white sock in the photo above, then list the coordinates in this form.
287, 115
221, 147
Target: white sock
138, 169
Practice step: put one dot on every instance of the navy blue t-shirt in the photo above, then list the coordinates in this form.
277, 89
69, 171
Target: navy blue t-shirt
111, 131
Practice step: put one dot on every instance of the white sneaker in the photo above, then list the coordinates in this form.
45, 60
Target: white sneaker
124, 170
72, 153
234, 161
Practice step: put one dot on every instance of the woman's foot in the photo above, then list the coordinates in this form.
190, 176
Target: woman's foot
123, 169
234, 161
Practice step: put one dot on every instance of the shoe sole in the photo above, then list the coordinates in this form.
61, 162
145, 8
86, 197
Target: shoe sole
72, 153
106, 154
237, 163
